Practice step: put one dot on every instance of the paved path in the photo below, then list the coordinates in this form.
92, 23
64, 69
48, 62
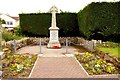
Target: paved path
62, 67
52, 63
47, 52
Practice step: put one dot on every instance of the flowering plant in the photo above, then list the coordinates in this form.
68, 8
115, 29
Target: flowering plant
55, 47
17, 65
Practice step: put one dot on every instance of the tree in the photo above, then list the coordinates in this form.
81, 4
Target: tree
3, 21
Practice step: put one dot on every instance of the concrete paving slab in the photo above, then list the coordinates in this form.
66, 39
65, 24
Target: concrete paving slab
62, 67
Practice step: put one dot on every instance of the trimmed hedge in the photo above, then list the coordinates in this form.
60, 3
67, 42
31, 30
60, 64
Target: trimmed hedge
38, 24
68, 24
100, 21
35, 24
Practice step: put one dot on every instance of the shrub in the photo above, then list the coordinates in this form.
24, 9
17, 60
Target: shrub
7, 36
18, 31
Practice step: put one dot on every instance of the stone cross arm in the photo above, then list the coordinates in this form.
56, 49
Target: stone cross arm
53, 9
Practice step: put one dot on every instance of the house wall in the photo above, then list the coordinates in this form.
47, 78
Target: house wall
10, 22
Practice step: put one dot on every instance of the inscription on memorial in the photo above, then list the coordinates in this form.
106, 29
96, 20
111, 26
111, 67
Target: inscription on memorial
53, 35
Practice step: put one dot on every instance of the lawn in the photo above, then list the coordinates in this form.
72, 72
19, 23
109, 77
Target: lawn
113, 51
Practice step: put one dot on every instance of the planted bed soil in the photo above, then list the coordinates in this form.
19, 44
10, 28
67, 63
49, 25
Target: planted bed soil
18, 65
81, 49
98, 63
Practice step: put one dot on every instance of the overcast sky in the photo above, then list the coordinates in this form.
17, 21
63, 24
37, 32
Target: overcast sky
14, 7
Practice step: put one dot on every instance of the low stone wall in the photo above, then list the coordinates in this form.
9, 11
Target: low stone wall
86, 43
24, 42
19, 44
44, 41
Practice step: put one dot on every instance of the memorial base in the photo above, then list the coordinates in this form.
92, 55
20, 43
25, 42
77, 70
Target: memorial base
53, 45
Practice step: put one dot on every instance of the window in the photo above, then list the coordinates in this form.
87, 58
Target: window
9, 23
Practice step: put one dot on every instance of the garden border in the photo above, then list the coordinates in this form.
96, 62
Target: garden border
99, 76
33, 67
82, 66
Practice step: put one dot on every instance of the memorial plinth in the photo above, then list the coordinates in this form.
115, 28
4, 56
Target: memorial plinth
53, 40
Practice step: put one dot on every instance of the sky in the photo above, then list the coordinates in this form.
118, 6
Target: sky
15, 7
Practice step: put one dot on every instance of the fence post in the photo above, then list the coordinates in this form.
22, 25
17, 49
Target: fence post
66, 46
40, 46
92, 46
14, 46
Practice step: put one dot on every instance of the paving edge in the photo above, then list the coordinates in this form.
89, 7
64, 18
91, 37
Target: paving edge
106, 75
69, 55
33, 67
82, 67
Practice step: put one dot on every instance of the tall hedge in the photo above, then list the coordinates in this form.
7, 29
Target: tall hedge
68, 24
35, 24
38, 24
100, 20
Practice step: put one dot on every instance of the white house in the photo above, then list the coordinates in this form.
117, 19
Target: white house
10, 22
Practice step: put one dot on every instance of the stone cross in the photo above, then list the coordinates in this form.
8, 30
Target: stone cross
53, 29
53, 10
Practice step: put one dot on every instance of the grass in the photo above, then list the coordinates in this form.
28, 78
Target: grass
113, 51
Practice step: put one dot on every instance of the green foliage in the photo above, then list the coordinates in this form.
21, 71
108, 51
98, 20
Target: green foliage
37, 24
110, 69
100, 20
18, 31
18, 65
109, 47
7, 36
3, 21
110, 44
68, 24
96, 65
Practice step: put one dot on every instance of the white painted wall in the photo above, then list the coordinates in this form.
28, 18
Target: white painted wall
8, 19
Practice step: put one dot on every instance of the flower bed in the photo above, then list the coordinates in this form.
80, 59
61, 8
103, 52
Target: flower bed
17, 65
94, 64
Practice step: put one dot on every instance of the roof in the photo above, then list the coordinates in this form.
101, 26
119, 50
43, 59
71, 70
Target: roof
13, 17
16, 18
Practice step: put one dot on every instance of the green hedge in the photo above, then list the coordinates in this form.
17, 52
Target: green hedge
68, 24
35, 24
38, 24
100, 20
